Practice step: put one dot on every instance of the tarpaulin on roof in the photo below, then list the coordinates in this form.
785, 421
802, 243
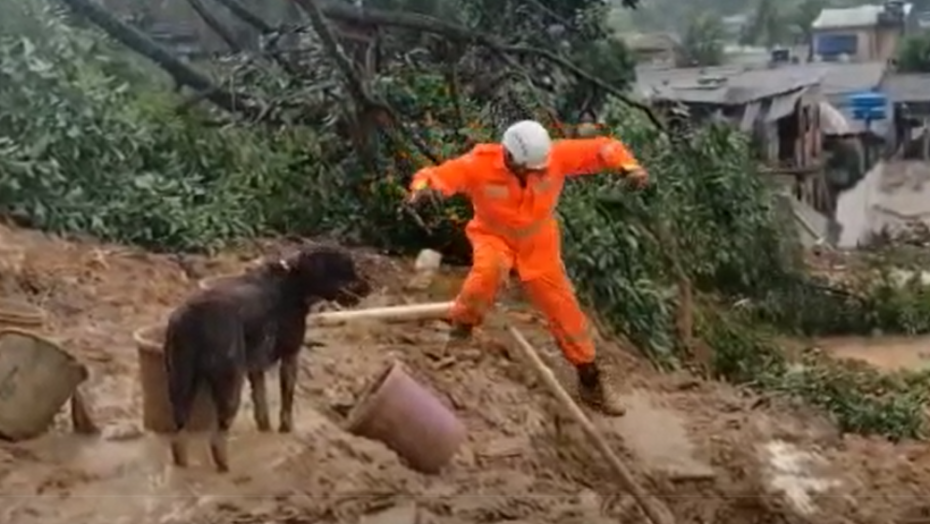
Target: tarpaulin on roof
832, 121
750, 114
783, 106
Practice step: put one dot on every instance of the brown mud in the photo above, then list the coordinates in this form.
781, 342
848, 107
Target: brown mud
523, 462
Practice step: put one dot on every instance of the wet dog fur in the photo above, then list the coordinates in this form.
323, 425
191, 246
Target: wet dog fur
237, 330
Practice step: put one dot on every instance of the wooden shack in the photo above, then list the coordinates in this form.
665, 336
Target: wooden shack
780, 111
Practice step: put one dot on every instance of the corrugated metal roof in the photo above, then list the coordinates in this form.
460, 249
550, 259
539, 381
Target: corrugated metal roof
837, 81
838, 77
911, 87
835, 78
718, 85
859, 16
744, 83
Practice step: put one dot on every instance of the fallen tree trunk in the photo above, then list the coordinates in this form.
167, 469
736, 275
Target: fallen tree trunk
215, 25
182, 73
247, 16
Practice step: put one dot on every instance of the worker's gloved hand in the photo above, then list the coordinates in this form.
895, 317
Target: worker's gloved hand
423, 195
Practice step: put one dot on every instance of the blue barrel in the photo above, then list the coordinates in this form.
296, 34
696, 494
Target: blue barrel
868, 105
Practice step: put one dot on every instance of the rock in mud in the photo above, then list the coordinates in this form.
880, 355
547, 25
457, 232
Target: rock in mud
122, 431
426, 266
798, 474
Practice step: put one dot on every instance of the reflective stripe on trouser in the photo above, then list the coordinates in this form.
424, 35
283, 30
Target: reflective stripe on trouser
553, 296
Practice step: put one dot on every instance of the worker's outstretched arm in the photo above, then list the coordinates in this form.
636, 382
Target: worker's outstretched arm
449, 177
589, 156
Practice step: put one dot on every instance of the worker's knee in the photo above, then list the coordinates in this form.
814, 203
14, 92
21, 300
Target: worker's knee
490, 271
554, 289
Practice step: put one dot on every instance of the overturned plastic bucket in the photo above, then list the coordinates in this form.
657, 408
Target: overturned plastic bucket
408, 419
21, 315
37, 377
156, 406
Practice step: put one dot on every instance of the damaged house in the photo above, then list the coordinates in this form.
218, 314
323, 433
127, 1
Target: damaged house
781, 111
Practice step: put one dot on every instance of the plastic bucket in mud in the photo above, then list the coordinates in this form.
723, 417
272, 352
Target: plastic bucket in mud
212, 282
37, 378
156, 407
407, 418
21, 315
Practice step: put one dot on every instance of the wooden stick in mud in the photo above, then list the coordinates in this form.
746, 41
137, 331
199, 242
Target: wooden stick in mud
655, 509
391, 313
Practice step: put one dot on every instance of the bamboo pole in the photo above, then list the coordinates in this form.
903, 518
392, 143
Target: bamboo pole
433, 310
654, 508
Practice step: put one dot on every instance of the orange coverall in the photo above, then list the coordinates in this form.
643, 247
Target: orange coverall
516, 227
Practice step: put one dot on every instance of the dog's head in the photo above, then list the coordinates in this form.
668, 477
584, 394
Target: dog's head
324, 273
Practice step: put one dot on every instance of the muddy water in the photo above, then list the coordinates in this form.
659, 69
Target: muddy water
885, 353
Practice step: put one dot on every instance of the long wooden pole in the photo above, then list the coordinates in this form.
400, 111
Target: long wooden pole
654, 508
390, 313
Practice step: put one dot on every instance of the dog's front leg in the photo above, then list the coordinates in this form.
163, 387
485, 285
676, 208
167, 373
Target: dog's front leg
288, 378
259, 400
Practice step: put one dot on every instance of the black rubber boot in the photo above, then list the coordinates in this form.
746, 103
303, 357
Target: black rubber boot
597, 392
459, 335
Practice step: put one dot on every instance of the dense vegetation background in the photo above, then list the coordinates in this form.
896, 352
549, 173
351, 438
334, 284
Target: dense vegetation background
285, 132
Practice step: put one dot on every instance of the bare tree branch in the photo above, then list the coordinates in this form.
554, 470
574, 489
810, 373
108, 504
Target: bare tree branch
215, 25
243, 104
354, 81
246, 15
352, 77
428, 24
182, 73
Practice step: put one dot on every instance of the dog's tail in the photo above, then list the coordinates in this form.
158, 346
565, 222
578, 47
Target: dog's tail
183, 363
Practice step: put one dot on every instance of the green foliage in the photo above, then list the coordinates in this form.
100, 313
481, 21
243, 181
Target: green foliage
88, 143
709, 214
615, 65
702, 44
859, 398
914, 54
714, 217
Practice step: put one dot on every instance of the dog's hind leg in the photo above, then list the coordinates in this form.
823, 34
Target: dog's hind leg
226, 391
182, 389
260, 410
288, 376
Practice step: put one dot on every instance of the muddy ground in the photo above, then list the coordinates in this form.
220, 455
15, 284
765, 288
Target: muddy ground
770, 462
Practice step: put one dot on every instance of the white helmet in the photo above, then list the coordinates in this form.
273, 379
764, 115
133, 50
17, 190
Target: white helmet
528, 143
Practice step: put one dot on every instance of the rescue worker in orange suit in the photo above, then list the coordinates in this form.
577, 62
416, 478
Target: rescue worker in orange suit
514, 188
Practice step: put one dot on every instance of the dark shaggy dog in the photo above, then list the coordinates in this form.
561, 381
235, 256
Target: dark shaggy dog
241, 328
